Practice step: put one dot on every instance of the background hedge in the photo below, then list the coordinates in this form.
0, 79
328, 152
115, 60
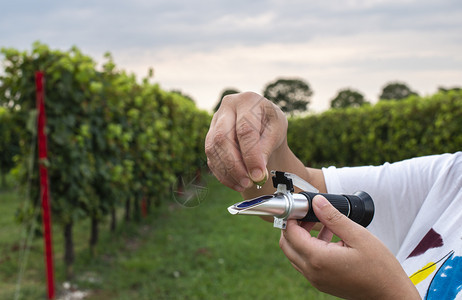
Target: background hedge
386, 132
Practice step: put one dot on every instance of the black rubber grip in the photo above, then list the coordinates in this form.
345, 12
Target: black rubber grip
340, 202
359, 207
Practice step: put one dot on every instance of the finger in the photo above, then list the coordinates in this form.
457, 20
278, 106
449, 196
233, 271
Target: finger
225, 167
248, 130
301, 240
293, 256
274, 126
219, 172
308, 226
336, 222
223, 157
296, 267
214, 119
341, 243
325, 234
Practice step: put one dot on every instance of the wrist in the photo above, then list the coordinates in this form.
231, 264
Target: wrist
278, 156
401, 287
407, 290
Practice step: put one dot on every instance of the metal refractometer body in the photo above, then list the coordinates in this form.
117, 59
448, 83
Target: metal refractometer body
285, 204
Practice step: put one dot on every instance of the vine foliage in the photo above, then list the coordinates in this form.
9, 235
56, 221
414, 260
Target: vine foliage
112, 141
389, 131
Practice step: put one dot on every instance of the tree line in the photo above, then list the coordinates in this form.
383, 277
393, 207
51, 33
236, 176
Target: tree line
388, 131
294, 95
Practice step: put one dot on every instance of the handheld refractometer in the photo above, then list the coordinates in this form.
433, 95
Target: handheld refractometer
284, 204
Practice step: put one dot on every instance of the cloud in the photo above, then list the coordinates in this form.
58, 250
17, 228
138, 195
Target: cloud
364, 61
205, 24
203, 46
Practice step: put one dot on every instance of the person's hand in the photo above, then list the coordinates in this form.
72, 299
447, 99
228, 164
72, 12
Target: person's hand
244, 133
357, 267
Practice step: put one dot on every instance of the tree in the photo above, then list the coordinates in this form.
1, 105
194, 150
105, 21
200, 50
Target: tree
348, 98
397, 91
228, 91
291, 95
179, 92
446, 90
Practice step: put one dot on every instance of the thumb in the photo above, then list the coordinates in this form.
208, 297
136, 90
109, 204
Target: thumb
335, 221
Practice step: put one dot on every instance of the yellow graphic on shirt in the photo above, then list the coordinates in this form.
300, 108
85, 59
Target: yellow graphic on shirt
423, 273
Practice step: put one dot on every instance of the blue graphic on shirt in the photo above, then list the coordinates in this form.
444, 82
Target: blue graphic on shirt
447, 282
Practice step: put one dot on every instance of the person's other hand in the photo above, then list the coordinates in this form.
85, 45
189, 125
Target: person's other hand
357, 267
245, 131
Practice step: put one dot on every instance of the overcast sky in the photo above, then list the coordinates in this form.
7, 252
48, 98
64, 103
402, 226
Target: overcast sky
202, 47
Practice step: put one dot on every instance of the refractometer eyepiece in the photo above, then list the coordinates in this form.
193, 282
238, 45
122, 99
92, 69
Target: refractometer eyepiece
284, 204
359, 207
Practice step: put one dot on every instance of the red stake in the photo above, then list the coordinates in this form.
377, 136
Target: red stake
45, 197
144, 207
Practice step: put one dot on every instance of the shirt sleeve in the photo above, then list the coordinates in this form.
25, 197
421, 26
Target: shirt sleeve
398, 191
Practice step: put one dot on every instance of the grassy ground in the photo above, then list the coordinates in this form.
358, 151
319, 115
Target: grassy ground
176, 253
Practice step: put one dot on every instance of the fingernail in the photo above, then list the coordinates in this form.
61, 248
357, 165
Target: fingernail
256, 175
320, 201
245, 182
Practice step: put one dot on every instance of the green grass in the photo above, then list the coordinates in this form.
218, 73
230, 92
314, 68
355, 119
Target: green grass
175, 253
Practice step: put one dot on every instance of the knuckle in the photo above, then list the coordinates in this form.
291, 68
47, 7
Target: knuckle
271, 110
210, 151
220, 139
314, 272
245, 129
221, 172
275, 117
316, 266
219, 158
208, 147
228, 99
249, 95
315, 263
224, 162
229, 165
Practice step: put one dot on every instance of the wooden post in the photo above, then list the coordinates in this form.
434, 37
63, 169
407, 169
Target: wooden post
45, 197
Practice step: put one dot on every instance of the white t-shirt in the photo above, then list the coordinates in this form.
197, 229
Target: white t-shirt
418, 216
